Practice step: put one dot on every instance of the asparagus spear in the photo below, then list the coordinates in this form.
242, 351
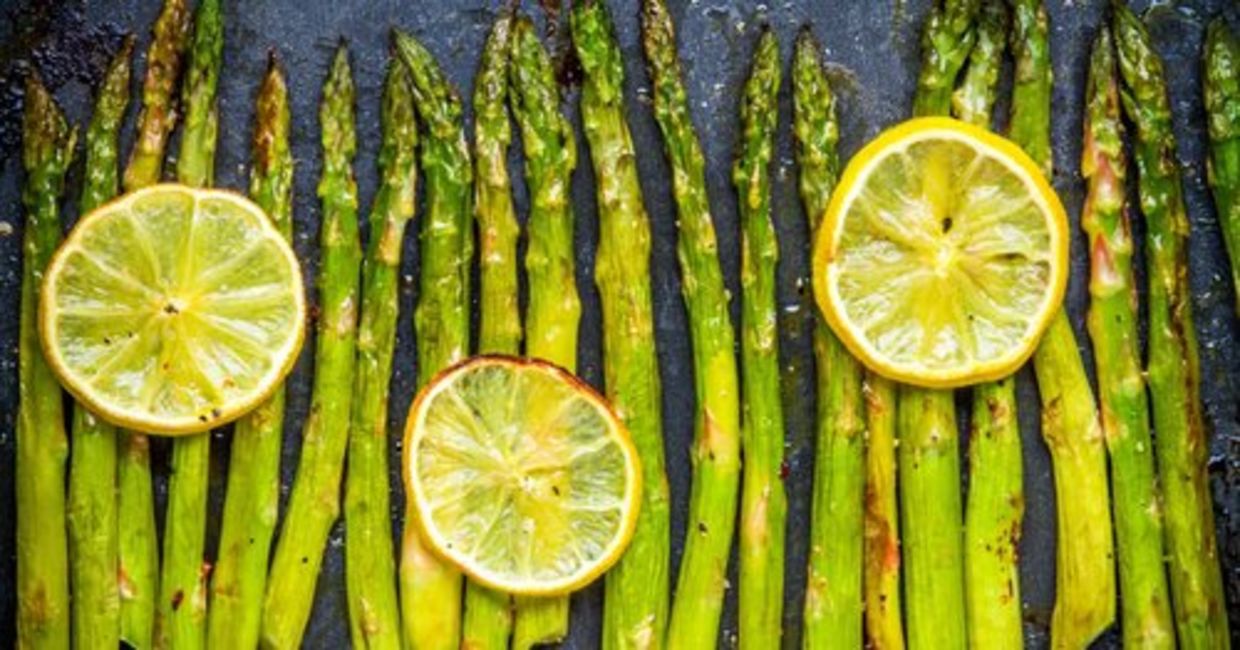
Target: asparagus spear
138, 546
716, 453
314, 502
488, 614
1221, 70
881, 581
636, 595
42, 448
1174, 370
946, 40
1085, 577
239, 578
182, 614
93, 523
554, 309
374, 616
974, 98
833, 600
763, 503
927, 455
1031, 89
994, 510
499, 330
994, 505
158, 115
1113, 327
431, 589
929, 468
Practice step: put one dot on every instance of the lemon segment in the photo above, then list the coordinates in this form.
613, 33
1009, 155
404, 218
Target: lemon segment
173, 310
943, 255
521, 474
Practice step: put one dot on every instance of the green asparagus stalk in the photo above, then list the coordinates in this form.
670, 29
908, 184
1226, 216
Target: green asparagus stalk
499, 330
1113, 327
93, 523
927, 455
929, 468
234, 619
1221, 71
1031, 88
42, 448
636, 597
1173, 368
489, 614
554, 309
947, 38
314, 503
1084, 569
881, 581
1085, 575
716, 449
182, 613
833, 600
994, 511
158, 115
974, 98
764, 505
374, 615
138, 547
994, 506
430, 589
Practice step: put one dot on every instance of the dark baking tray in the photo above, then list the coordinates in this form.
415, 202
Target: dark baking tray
872, 46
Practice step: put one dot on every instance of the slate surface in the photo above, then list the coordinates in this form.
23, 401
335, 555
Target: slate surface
872, 46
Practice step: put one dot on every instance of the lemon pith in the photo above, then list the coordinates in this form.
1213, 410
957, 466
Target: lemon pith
172, 310
521, 475
943, 255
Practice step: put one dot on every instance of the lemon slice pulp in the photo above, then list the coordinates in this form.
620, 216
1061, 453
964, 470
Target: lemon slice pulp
172, 310
521, 474
943, 255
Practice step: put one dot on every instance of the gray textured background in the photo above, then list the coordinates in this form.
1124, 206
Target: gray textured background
872, 46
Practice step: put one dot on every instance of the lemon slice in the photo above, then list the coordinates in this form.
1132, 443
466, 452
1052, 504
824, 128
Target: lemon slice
521, 475
943, 255
173, 310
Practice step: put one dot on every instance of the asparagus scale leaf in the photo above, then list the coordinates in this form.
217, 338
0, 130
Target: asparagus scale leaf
93, 521
314, 503
636, 598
